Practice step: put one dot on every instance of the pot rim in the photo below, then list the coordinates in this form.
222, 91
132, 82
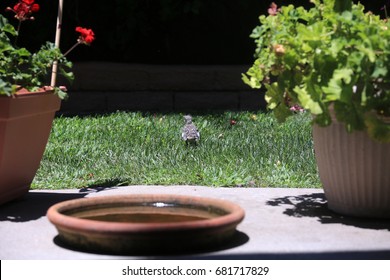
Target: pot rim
235, 214
23, 92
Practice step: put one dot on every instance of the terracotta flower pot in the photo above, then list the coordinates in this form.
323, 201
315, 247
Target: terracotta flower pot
25, 124
354, 170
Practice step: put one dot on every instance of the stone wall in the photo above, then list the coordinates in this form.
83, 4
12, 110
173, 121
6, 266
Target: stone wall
107, 87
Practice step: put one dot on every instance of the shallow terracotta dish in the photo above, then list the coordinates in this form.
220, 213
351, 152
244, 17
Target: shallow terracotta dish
133, 224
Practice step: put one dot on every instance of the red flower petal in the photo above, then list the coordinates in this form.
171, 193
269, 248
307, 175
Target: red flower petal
86, 35
17, 7
35, 8
24, 8
28, 2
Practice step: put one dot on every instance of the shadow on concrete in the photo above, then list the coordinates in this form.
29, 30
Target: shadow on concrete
107, 185
239, 238
34, 205
353, 255
315, 206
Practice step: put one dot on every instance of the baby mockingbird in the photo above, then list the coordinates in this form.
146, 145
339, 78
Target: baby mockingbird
190, 133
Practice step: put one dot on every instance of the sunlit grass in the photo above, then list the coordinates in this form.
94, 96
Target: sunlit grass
134, 148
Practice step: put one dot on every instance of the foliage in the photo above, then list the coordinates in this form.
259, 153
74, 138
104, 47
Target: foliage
333, 55
236, 149
19, 68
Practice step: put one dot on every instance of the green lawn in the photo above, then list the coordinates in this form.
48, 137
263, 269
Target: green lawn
135, 148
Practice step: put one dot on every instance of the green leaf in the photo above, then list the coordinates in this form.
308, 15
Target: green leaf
377, 129
314, 32
380, 71
61, 94
323, 119
6, 27
349, 114
6, 88
251, 81
342, 5
282, 112
369, 52
307, 102
273, 96
276, 102
23, 52
336, 85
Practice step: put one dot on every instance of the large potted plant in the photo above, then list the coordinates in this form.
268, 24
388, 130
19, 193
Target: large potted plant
28, 101
333, 60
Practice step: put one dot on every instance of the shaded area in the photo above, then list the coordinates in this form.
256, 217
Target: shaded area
159, 31
315, 206
238, 239
352, 255
103, 186
34, 205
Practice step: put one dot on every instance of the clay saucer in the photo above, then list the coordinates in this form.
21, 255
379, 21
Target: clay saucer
144, 224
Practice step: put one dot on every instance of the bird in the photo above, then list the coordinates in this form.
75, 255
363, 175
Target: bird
190, 134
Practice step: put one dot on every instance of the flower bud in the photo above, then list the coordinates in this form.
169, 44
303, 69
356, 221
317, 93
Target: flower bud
279, 49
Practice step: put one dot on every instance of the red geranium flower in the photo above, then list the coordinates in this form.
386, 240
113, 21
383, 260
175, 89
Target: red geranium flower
24, 9
86, 35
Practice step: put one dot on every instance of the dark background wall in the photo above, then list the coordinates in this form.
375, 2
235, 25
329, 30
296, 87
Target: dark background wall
157, 31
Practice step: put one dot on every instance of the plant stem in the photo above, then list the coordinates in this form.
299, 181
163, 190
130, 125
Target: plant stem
57, 42
18, 30
71, 49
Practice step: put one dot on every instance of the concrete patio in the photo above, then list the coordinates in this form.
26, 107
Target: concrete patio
280, 223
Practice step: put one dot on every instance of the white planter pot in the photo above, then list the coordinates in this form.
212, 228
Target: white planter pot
354, 170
